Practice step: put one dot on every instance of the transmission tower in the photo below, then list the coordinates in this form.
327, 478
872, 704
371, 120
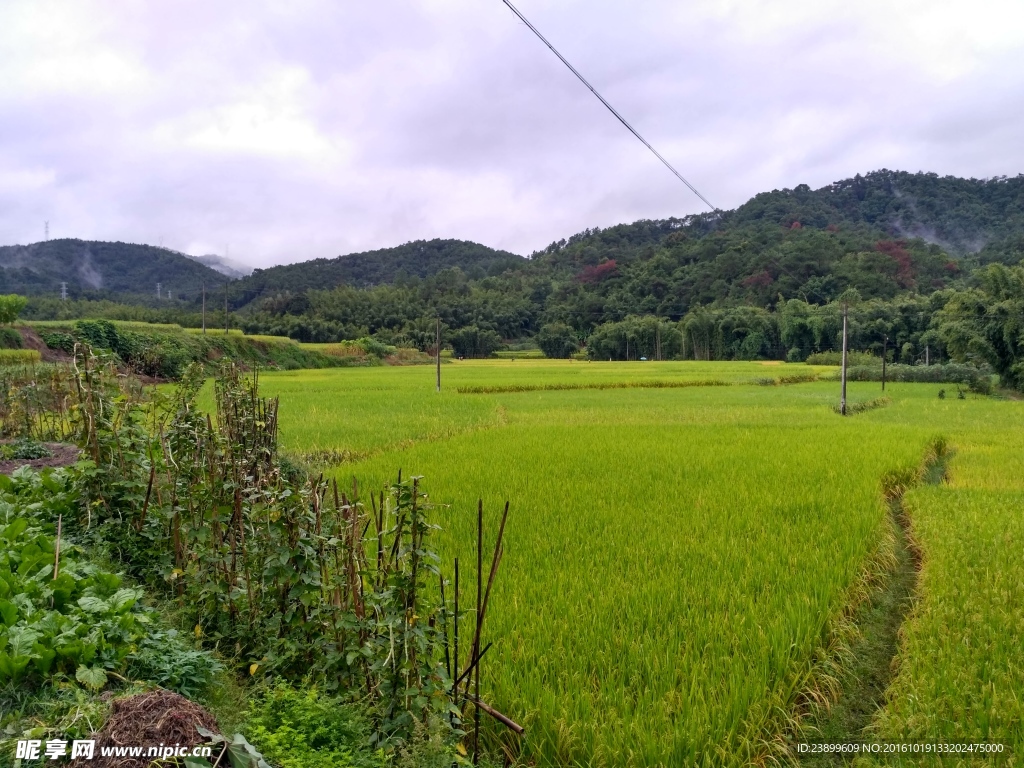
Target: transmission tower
159, 293
63, 291
46, 230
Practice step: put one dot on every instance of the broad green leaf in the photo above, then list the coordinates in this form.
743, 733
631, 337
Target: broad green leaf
107, 581
91, 677
18, 665
242, 754
21, 640
124, 599
93, 604
70, 650
14, 530
8, 612
88, 651
43, 658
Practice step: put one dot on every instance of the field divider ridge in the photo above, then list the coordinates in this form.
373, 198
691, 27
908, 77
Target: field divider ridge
653, 384
850, 673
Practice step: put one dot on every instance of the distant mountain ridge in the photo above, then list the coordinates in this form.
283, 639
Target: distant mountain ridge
127, 270
751, 253
102, 269
417, 259
961, 215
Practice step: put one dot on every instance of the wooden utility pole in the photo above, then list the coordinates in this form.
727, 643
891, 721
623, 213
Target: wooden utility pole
437, 353
204, 307
885, 354
842, 397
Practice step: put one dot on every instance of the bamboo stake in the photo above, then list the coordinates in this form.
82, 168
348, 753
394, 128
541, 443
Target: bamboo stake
473, 664
507, 721
455, 688
444, 629
479, 618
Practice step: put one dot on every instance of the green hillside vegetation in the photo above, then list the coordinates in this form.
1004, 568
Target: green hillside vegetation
757, 282
420, 258
164, 351
95, 269
922, 252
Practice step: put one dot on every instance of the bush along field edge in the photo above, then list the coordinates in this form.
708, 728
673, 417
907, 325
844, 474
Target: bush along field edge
292, 588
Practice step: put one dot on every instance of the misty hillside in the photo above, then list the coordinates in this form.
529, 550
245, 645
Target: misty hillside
960, 215
227, 267
100, 269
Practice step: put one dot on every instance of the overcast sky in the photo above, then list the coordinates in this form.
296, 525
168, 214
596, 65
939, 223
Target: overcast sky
290, 129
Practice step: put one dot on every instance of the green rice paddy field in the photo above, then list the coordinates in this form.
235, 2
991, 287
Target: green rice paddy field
679, 560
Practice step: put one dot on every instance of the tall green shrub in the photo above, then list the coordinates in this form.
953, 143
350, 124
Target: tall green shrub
11, 305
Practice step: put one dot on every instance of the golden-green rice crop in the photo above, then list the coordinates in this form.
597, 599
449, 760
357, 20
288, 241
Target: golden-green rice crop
676, 557
19, 356
961, 677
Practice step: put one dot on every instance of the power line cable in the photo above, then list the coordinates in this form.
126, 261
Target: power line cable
609, 106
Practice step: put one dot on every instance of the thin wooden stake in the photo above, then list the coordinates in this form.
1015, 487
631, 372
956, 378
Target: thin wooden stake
473, 664
507, 721
444, 629
456, 630
479, 621
495, 561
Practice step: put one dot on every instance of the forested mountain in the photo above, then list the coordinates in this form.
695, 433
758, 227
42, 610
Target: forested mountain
421, 258
94, 269
961, 215
758, 281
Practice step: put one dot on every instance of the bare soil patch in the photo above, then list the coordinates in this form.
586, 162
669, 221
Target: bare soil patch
62, 455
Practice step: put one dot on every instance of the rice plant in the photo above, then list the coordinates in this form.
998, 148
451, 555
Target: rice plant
681, 556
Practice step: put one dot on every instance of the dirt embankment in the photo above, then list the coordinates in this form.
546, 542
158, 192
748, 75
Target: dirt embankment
31, 339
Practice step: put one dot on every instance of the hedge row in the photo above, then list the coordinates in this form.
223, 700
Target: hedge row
165, 352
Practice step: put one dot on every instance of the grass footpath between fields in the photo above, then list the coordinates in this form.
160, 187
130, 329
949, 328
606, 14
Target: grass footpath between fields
875, 622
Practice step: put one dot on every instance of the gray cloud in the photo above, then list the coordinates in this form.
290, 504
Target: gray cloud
292, 130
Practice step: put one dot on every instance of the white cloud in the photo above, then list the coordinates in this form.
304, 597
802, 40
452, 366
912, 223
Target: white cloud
271, 119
